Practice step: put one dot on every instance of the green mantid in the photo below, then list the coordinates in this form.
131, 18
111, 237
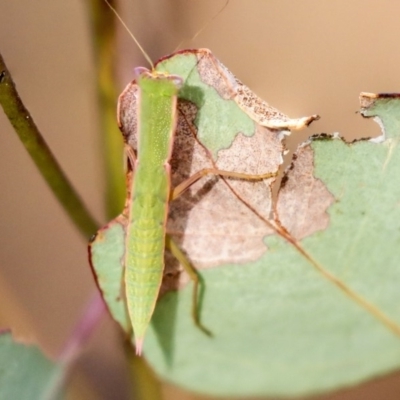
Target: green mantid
147, 114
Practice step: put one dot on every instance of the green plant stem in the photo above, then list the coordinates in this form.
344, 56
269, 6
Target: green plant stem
38, 149
104, 42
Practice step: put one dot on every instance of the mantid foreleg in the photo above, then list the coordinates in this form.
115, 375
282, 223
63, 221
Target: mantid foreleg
177, 252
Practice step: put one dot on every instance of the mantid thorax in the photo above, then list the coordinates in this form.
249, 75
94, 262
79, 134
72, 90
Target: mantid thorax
128, 102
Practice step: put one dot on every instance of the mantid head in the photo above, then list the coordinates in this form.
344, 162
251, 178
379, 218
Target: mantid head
143, 74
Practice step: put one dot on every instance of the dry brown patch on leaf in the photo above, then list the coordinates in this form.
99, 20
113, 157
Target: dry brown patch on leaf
303, 199
126, 114
212, 224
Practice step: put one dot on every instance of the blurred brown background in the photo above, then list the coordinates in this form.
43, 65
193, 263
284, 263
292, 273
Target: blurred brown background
304, 57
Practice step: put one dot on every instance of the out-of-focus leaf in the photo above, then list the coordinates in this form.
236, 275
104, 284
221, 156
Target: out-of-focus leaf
26, 373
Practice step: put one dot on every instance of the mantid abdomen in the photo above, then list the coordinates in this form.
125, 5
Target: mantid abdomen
144, 259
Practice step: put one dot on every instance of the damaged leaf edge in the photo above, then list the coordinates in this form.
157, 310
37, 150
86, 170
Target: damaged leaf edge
367, 101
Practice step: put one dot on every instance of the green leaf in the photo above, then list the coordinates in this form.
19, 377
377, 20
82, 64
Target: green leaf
280, 326
25, 372
214, 113
108, 247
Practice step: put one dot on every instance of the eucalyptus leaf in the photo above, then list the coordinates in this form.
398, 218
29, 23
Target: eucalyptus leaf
280, 327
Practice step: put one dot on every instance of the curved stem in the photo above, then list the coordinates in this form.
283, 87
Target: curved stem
41, 154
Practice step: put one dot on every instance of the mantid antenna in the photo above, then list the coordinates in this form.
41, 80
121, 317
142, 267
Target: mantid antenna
204, 25
146, 56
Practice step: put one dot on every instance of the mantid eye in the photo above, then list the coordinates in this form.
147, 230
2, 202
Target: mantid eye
139, 71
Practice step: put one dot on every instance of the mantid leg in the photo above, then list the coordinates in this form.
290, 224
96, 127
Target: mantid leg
177, 252
194, 276
130, 155
182, 187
